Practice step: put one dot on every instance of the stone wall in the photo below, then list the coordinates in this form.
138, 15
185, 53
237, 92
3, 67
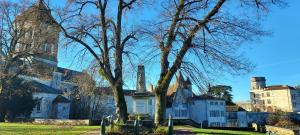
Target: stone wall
61, 122
281, 131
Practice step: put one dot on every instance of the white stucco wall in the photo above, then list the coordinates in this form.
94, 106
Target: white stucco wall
242, 119
63, 110
147, 102
198, 111
220, 107
45, 105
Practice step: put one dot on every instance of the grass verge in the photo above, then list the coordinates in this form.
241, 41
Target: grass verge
33, 129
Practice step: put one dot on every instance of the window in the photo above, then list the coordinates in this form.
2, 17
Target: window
268, 94
294, 104
263, 101
293, 97
269, 101
38, 106
222, 114
214, 113
150, 102
262, 95
221, 103
216, 103
211, 103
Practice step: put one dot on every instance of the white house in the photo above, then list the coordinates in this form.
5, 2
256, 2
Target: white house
184, 104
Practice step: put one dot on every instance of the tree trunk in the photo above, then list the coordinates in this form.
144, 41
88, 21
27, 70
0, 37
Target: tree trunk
2, 115
120, 103
160, 107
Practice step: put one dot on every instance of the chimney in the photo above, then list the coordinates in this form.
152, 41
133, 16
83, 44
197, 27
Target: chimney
141, 83
151, 88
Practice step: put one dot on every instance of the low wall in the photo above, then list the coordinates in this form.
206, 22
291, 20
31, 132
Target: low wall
61, 122
281, 131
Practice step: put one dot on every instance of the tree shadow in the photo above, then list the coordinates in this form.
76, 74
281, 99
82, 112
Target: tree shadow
213, 133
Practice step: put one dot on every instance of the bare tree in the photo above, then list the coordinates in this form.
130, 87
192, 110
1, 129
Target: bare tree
203, 36
16, 50
88, 100
89, 24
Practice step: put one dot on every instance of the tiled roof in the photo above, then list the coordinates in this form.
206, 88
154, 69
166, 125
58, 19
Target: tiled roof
67, 74
37, 12
205, 97
127, 92
279, 87
39, 87
179, 81
61, 99
172, 89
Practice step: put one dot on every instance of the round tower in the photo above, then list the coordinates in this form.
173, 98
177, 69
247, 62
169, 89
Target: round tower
258, 83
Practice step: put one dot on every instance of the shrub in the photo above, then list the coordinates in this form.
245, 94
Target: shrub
280, 119
114, 129
275, 117
285, 123
161, 131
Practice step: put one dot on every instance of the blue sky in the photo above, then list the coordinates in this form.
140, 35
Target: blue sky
277, 57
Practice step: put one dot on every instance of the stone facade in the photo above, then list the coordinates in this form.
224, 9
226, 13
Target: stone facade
41, 32
246, 105
272, 98
141, 82
51, 83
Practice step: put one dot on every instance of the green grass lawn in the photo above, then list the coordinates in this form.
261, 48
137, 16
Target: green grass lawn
31, 129
223, 132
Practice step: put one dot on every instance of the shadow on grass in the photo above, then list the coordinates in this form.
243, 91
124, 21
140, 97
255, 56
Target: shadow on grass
213, 133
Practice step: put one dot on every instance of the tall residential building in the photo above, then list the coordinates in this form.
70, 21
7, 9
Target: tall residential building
273, 98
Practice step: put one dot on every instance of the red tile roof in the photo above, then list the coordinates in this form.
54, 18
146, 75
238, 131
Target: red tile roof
279, 87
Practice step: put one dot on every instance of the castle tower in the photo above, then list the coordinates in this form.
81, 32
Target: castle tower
141, 82
41, 35
258, 83
257, 86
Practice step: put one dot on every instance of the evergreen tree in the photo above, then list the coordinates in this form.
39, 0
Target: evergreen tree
16, 100
222, 92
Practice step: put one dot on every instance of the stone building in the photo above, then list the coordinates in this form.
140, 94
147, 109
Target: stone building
50, 82
41, 35
275, 97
